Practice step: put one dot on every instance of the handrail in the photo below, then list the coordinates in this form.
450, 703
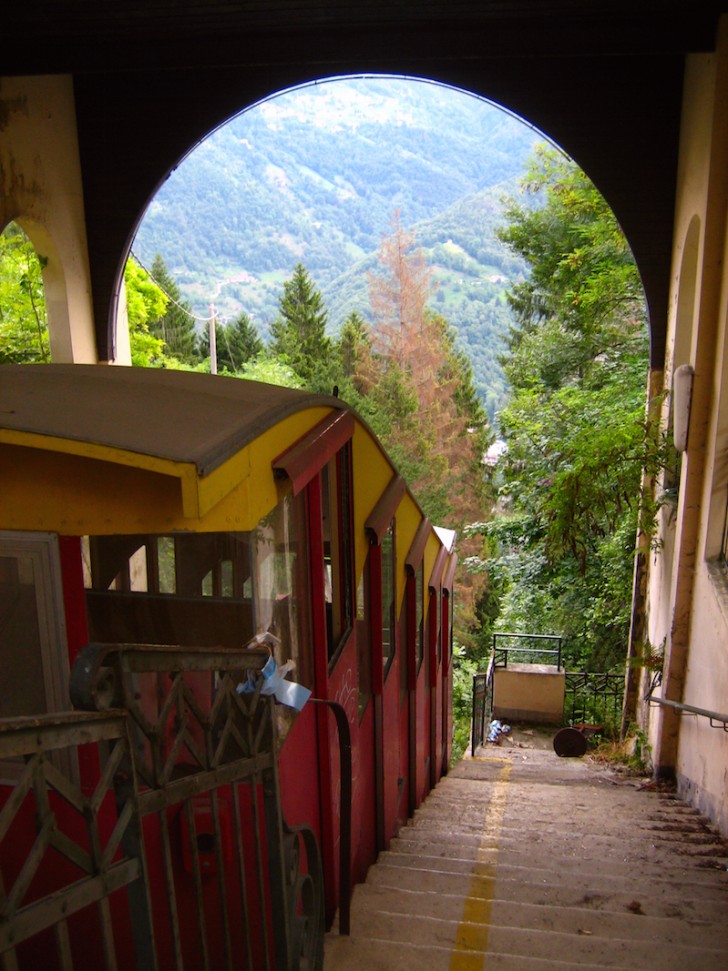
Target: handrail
712, 716
503, 651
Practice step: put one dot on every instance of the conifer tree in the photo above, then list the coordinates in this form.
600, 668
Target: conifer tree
298, 334
237, 342
241, 342
425, 408
414, 350
176, 327
355, 353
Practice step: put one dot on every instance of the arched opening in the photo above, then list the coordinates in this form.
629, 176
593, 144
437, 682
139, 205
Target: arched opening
37, 324
275, 228
24, 337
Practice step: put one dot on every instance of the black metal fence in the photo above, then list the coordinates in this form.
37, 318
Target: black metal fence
593, 698
482, 705
589, 697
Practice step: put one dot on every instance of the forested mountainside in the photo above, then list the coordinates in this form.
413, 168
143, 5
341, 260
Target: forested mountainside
315, 175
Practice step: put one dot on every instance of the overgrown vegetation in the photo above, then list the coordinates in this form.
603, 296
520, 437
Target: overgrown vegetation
631, 755
560, 549
23, 321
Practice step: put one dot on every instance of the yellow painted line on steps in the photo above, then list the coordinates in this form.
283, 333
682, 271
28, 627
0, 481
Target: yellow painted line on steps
471, 938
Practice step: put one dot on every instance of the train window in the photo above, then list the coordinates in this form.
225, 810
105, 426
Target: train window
388, 596
204, 589
165, 564
281, 593
336, 516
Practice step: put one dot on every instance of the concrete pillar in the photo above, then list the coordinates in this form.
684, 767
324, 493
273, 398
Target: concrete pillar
41, 190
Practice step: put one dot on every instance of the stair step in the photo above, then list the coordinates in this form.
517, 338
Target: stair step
357, 954
622, 950
367, 954
417, 856
713, 886
552, 865
659, 900
640, 840
675, 928
612, 813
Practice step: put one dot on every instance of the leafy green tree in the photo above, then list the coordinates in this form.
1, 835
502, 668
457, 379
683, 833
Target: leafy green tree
176, 326
298, 335
23, 321
270, 370
575, 425
145, 303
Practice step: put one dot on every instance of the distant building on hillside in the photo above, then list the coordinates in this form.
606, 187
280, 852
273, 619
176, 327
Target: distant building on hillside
494, 453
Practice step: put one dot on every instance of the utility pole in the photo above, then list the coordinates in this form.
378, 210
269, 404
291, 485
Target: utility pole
213, 340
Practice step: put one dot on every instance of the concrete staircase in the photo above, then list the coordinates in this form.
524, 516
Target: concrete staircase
522, 861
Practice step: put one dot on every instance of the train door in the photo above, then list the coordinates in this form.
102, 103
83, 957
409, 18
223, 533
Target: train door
389, 792
438, 666
417, 694
435, 673
447, 646
319, 467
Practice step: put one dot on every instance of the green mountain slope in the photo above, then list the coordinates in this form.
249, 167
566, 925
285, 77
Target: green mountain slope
315, 175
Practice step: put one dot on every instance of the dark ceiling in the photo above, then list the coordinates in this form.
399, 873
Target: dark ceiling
87, 35
152, 77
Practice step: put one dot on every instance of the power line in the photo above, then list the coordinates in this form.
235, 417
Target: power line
202, 320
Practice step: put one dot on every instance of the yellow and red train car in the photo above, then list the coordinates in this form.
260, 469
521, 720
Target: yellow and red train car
189, 512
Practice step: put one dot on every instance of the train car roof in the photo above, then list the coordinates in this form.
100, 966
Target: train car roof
172, 415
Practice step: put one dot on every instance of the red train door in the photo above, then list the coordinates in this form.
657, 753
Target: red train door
320, 466
389, 786
435, 686
417, 697
447, 644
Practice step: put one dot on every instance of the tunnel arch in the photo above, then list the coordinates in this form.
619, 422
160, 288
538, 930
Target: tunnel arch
590, 105
270, 97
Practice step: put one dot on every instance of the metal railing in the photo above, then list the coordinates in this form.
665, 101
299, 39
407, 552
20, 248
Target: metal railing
482, 706
530, 654
179, 844
716, 719
589, 697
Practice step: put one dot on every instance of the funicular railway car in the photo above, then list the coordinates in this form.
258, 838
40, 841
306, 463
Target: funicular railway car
177, 551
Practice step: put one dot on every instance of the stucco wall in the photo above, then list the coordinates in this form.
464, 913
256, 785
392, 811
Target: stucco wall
688, 589
529, 692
